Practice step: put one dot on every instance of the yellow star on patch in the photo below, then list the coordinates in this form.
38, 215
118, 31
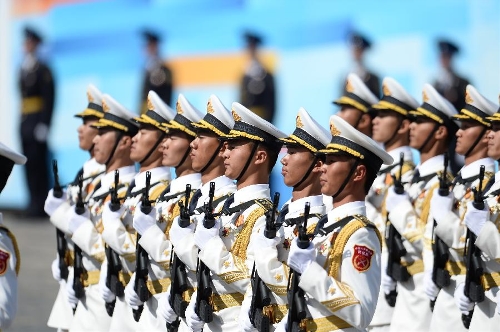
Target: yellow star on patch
126, 246
331, 290
278, 277
96, 245
166, 252
227, 264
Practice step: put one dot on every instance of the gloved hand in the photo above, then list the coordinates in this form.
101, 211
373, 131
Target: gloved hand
131, 297
177, 233
261, 241
164, 309
109, 216
52, 203
441, 205
106, 293
56, 272
77, 220
393, 199
300, 259
431, 289
192, 320
142, 222
202, 235
72, 299
463, 303
387, 283
475, 219
244, 319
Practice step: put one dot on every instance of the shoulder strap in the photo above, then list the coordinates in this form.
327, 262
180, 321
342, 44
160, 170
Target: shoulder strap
16, 247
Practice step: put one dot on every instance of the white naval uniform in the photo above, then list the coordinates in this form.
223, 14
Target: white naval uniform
90, 314
270, 262
9, 268
452, 231
230, 256
410, 218
342, 284
485, 316
374, 212
62, 314
120, 235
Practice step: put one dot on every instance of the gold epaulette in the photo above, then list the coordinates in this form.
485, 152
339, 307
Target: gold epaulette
16, 247
156, 191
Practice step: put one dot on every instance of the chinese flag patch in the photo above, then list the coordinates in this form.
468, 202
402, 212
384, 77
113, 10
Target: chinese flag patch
362, 258
4, 261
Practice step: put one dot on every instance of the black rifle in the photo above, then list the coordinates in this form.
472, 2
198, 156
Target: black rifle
78, 268
178, 274
62, 244
261, 295
295, 295
202, 307
473, 288
141, 256
395, 245
440, 276
114, 264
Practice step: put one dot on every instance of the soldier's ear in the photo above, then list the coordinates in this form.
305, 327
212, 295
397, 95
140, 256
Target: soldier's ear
318, 163
441, 133
260, 156
405, 126
360, 173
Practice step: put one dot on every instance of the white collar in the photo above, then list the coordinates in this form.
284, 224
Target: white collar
495, 185
108, 179
472, 169
348, 209
254, 191
92, 167
220, 182
431, 165
408, 155
179, 184
298, 205
157, 174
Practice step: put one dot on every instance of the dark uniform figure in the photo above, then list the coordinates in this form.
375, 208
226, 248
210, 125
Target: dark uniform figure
359, 45
36, 84
157, 76
257, 91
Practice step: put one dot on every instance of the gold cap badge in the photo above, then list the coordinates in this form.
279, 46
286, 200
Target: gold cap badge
349, 87
179, 108
333, 130
210, 108
386, 90
105, 107
425, 98
236, 117
150, 104
468, 98
89, 97
298, 122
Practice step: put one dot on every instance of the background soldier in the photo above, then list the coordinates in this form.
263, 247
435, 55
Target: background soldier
36, 86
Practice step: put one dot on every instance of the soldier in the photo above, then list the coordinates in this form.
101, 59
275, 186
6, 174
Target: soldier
484, 224
36, 85
257, 88
355, 103
118, 231
61, 314
448, 211
431, 131
84, 223
157, 75
251, 150
10, 259
340, 270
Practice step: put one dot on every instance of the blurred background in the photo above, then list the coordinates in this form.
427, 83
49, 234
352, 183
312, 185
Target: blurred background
304, 45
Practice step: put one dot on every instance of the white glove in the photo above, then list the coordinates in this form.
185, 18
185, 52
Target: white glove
202, 235
498, 303
52, 203
192, 320
41, 132
475, 219
177, 233
56, 273
131, 297
463, 303
300, 259
106, 293
77, 220
244, 318
164, 309
72, 299
441, 205
387, 284
142, 222
261, 241
431, 289
392, 199
109, 216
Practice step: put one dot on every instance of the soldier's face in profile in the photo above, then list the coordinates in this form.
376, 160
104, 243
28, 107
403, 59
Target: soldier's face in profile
467, 135
350, 114
296, 164
86, 133
104, 142
420, 130
236, 154
334, 171
494, 141
203, 148
384, 125
175, 147
143, 142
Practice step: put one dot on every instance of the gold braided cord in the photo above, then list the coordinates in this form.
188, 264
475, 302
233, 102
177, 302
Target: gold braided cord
334, 148
148, 120
108, 123
90, 112
240, 245
466, 114
207, 125
236, 133
432, 116
176, 125
384, 104
349, 101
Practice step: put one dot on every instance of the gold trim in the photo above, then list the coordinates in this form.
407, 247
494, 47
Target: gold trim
344, 100
341, 302
275, 312
490, 280
236, 133
278, 290
178, 107
292, 139
334, 148
455, 268
236, 116
385, 90
108, 123
224, 301
105, 107
210, 108
90, 112
240, 245
466, 114
204, 124
415, 267
468, 98
124, 277
176, 125
150, 104
425, 98
90, 278
326, 324
432, 116
158, 286
148, 120
233, 276
30, 105
334, 130
383, 105
298, 122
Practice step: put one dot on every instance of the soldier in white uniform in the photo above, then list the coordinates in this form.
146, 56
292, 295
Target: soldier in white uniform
112, 149
10, 259
301, 171
61, 314
226, 249
118, 232
448, 211
484, 224
340, 270
154, 227
431, 132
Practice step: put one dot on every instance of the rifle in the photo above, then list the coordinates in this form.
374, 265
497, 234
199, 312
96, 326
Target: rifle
114, 264
78, 268
395, 245
261, 295
295, 294
178, 275
473, 288
62, 244
202, 307
440, 276
141, 256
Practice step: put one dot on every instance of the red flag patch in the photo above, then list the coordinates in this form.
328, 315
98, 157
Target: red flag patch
4, 261
362, 258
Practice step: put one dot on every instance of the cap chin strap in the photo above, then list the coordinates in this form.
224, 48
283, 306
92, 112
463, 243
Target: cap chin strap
215, 154
358, 120
395, 132
184, 157
91, 148
118, 138
254, 148
351, 172
306, 174
436, 126
160, 139
475, 142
